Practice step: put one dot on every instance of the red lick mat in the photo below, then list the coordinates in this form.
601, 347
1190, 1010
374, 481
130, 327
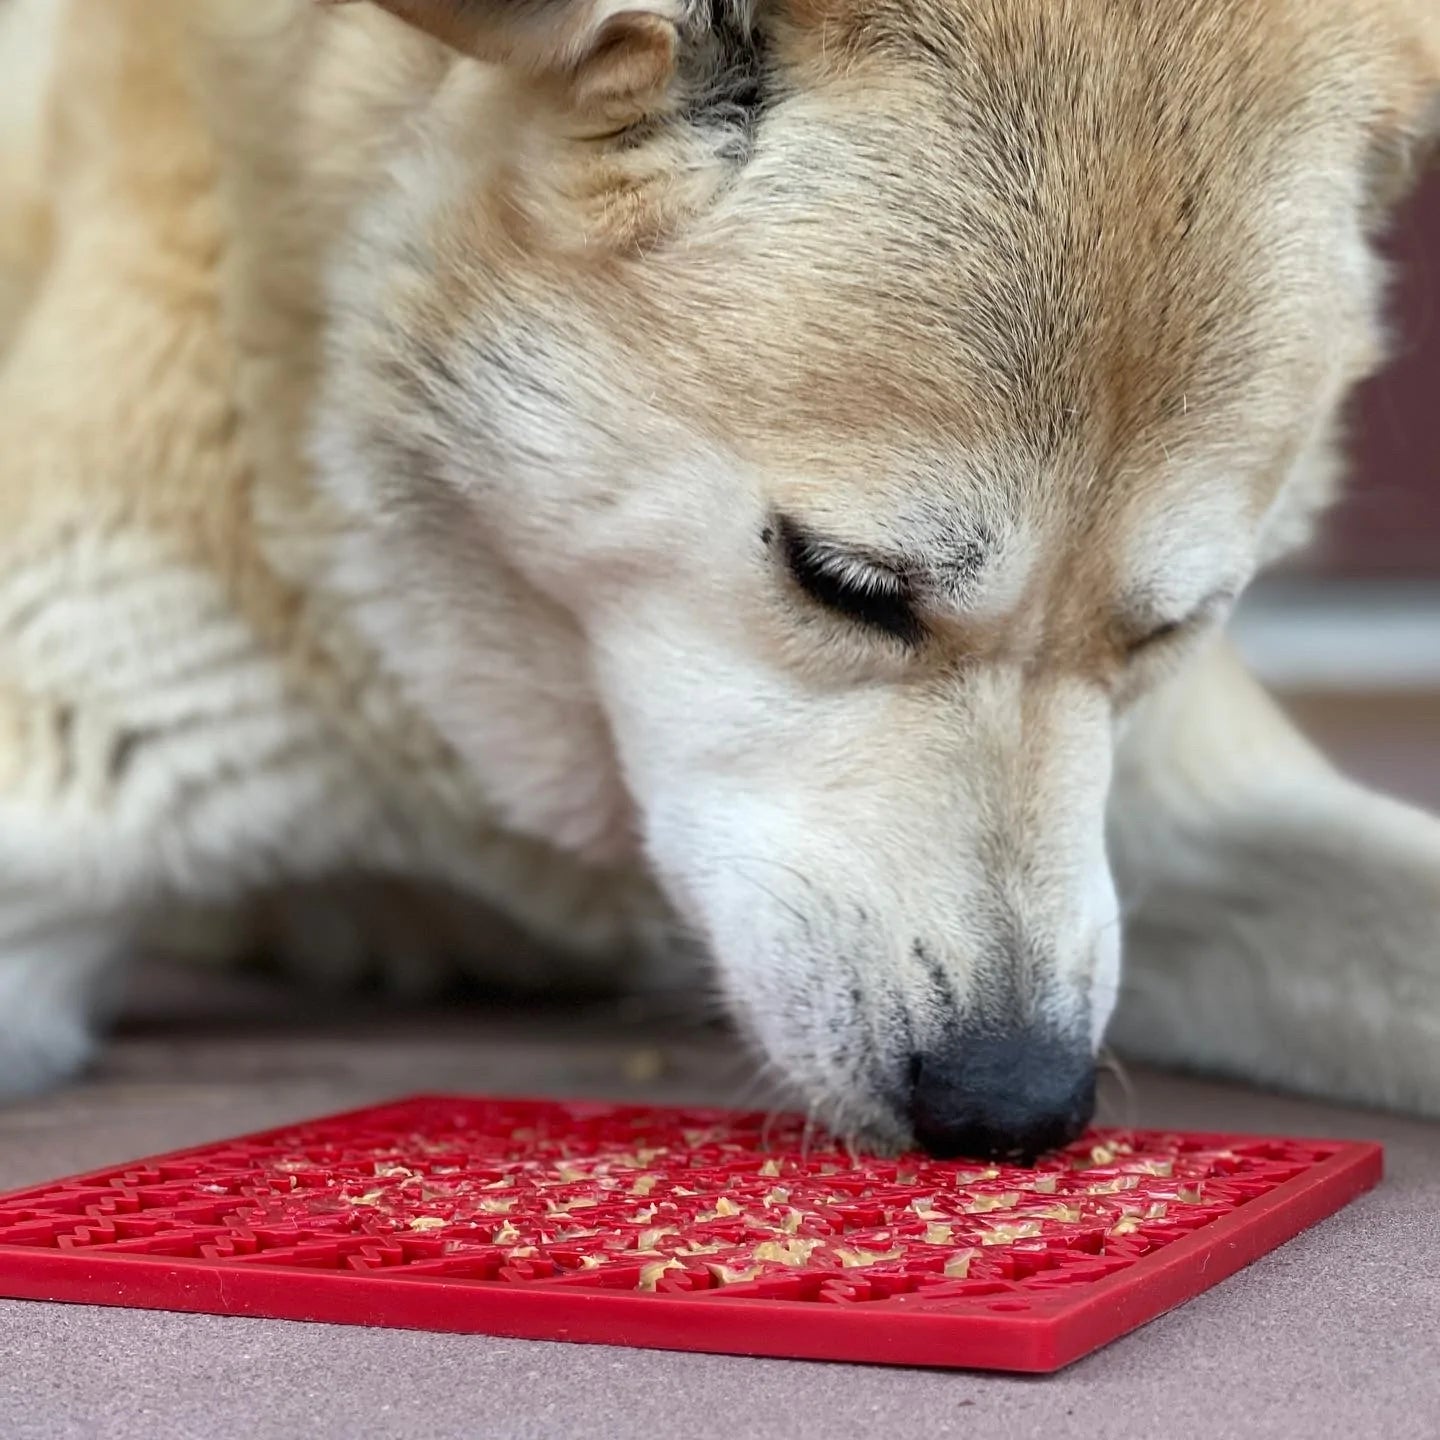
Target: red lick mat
680, 1229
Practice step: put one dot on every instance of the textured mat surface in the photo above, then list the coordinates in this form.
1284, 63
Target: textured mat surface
675, 1228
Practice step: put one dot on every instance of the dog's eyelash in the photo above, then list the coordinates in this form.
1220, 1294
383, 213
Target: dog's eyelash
866, 594
1158, 636
1211, 608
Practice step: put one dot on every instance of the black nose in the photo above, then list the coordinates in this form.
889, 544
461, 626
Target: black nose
1002, 1096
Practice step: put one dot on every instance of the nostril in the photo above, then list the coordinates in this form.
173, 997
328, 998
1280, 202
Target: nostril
1001, 1097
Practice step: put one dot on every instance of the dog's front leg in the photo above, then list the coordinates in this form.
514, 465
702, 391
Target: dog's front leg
1284, 923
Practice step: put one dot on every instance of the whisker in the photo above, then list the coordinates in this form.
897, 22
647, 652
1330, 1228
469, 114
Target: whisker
792, 910
1109, 1063
808, 1134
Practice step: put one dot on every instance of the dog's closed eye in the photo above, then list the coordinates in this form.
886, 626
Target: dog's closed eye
1158, 636
1160, 633
866, 591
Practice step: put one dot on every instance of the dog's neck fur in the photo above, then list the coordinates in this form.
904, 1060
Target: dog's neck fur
537, 691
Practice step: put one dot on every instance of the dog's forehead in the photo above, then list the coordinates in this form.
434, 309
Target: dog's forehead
1076, 257
1061, 214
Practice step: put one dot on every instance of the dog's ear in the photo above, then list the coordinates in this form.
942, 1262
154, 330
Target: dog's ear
610, 54
1410, 137
1421, 18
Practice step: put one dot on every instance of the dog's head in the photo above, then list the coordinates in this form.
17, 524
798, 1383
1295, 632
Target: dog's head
891, 392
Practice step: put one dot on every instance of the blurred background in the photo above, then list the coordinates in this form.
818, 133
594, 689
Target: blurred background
1351, 636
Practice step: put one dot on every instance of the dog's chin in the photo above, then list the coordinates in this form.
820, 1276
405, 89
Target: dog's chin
859, 1122
856, 1124
883, 1139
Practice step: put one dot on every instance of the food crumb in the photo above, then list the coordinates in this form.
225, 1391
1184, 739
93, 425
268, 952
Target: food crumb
1015, 1230
1116, 1186
725, 1207
642, 1066
855, 1259
790, 1252
957, 1267
650, 1275
984, 1204
1067, 1214
732, 1275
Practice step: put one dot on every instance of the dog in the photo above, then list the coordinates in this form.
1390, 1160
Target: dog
769, 475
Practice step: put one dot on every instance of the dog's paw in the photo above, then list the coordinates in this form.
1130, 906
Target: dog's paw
54, 990
1300, 950
38, 1052
413, 941
327, 937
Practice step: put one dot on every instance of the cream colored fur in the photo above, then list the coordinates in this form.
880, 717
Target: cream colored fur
179, 718
379, 479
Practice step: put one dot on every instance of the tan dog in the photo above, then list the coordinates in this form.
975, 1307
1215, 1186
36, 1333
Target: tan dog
775, 470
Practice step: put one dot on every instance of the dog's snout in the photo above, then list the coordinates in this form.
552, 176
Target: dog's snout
1011, 1096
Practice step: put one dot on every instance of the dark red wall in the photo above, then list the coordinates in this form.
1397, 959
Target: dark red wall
1390, 522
